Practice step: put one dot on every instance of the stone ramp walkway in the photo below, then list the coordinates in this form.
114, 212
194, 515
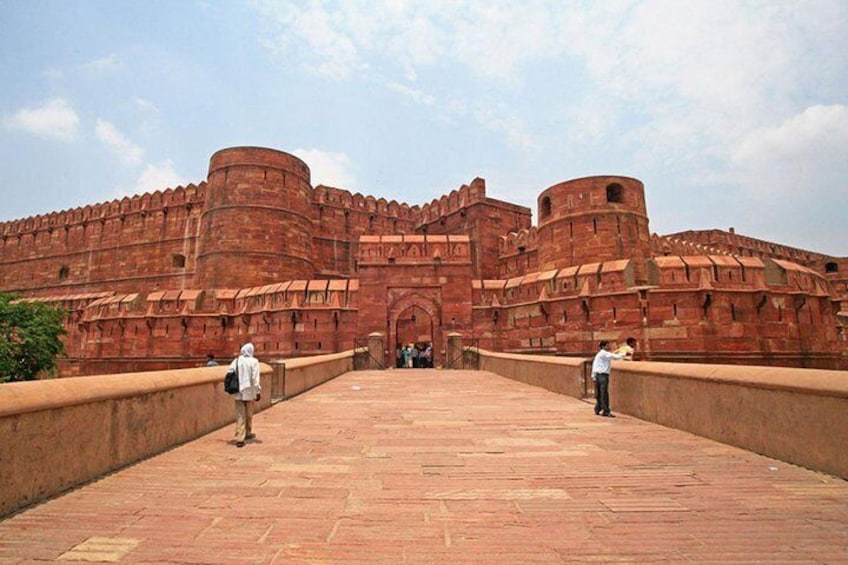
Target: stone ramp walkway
423, 466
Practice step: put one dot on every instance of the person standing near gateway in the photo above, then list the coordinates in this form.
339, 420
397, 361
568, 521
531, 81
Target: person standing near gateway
249, 392
601, 377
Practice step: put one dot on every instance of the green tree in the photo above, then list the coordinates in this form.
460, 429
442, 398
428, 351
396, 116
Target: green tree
30, 341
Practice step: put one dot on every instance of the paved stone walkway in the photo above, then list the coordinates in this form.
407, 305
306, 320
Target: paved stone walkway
419, 466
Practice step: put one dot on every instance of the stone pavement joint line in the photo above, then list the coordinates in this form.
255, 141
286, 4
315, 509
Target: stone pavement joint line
424, 466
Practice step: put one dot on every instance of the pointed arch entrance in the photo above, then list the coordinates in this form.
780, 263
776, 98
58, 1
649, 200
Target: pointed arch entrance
414, 318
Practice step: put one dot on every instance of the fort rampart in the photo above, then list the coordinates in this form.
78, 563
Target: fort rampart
254, 252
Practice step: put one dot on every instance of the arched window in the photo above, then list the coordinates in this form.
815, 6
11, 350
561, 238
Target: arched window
545, 210
614, 191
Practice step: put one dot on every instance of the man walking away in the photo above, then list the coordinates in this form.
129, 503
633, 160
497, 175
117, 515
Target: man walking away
250, 390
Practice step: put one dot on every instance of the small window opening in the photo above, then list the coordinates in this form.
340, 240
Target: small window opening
614, 192
178, 261
831, 268
545, 209
64, 271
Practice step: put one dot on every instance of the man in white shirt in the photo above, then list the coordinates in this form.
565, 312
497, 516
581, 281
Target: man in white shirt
250, 391
601, 376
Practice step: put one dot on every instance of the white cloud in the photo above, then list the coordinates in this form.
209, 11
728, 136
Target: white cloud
158, 177
328, 168
336, 39
806, 152
500, 119
55, 119
146, 105
330, 50
118, 143
110, 63
417, 96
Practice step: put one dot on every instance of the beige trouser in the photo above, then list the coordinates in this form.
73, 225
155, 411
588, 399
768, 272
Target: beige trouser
244, 418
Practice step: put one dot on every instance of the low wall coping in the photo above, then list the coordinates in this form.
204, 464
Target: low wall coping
298, 362
569, 361
813, 381
34, 396
822, 382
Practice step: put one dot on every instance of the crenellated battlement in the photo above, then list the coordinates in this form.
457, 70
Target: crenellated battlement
453, 202
340, 198
675, 245
693, 272
518, 242
731, 242
161, 200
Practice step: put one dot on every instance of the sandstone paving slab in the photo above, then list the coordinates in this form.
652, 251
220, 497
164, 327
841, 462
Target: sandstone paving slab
424, 466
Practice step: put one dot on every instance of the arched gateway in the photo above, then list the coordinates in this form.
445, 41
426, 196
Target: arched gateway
414, 288
414, 318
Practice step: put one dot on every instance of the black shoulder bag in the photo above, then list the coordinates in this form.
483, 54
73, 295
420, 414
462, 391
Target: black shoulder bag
231, 380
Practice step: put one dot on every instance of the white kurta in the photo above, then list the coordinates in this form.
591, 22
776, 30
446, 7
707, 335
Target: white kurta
248, 372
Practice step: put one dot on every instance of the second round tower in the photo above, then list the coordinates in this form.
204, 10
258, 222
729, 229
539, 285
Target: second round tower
593, 220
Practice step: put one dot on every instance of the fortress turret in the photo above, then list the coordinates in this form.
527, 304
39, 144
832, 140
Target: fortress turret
591, 220
255, 228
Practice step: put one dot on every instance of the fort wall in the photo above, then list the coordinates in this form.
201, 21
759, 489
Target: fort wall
146, 241
484, 220
255, 253
697, 308
340, 218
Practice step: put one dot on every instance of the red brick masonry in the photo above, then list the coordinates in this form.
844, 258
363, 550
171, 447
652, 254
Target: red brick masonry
256, 252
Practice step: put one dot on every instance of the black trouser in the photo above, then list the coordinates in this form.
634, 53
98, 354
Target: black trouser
602, 393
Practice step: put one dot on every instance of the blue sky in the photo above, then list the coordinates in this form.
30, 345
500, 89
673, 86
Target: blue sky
732, 113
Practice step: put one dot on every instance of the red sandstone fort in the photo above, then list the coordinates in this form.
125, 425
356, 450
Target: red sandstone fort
255, 252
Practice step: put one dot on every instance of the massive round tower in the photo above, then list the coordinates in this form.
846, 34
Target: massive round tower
591, 220
255, 228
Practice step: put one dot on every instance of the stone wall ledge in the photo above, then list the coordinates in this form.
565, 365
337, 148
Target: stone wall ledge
51, 394
808, 381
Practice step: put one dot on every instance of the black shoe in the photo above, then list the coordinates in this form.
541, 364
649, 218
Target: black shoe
597, 412
239, 444
609, 415
249, 436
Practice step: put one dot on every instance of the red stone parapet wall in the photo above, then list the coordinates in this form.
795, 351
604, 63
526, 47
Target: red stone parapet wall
697, 308
146, 241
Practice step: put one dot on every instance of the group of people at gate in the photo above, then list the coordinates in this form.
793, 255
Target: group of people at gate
414, 356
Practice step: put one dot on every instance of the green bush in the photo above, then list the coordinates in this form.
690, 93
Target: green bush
30, 341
